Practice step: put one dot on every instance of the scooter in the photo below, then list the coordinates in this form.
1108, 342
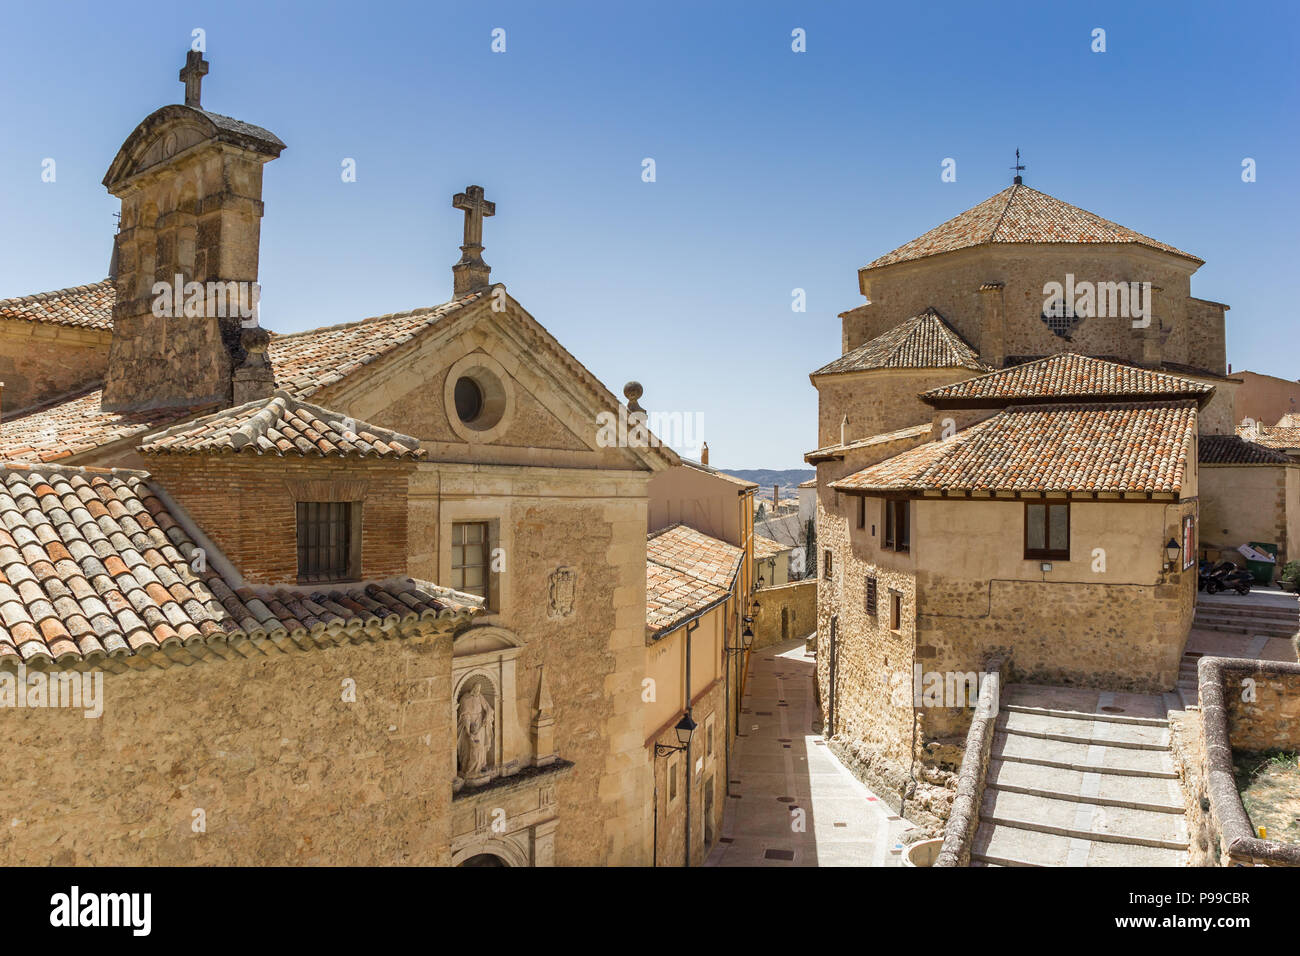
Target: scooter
1226, 575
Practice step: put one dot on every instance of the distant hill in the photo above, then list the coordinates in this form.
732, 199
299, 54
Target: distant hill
765, 478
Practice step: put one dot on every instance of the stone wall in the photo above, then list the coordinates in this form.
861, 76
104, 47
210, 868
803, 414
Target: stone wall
950, 283
708, 784
40, 361
877, 401
785, 612
1246, 706
1243, 503
284, 771
964, 815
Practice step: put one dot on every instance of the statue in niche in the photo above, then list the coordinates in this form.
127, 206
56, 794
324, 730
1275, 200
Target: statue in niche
475, 721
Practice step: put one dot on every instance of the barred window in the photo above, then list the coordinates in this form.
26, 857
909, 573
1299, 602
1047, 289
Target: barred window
325, 541
871, 595
469, 557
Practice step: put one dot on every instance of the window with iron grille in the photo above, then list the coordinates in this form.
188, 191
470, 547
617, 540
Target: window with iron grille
871, 595
325, 541
826, 564
469, 557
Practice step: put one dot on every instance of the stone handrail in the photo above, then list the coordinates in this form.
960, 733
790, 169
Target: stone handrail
1242, 845
964, 818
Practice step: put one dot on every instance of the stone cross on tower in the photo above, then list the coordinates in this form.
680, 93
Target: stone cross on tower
471, 272
192, 74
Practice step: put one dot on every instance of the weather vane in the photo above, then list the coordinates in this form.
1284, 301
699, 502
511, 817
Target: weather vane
1018, 168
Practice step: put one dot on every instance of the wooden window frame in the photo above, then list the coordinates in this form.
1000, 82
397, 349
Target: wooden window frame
893, 508
895, 610
870, 595
487, 559
1047, 553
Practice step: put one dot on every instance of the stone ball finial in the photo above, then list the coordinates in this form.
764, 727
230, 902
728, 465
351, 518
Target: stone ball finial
633, 391
255, 339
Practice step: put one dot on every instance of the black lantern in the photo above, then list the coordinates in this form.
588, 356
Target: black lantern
685, 728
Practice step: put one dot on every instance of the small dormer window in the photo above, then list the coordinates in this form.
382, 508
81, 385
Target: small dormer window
326, 539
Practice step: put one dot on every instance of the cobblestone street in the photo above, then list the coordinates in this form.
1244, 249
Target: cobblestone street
792, 803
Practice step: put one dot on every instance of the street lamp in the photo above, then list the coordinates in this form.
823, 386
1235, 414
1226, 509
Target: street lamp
684, 729
1171, 548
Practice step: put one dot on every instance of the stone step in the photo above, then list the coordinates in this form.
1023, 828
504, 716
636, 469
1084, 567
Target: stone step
1161, 794
1210, 606
1238, 627
1084, 821
1106, 718
1086, 757
1082, 728
1002, 845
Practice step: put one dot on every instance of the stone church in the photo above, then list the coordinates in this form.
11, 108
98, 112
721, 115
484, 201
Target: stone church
243, 529
1027, 441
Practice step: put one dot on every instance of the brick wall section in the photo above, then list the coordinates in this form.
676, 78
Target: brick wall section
246, 505
286, 772
40, 361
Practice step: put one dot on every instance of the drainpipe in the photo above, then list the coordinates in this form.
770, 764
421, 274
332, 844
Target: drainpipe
690, 770
830, 708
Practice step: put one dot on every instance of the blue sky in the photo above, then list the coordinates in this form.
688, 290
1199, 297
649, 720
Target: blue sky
774, 170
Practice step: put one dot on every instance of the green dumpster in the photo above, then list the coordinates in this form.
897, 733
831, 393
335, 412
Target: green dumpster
1263, 570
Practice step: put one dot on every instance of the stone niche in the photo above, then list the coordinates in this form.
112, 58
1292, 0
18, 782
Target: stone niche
503, 806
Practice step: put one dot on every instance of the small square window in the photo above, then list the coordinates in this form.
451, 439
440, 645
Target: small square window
1047, 531
895, 610
325, 539
862, 512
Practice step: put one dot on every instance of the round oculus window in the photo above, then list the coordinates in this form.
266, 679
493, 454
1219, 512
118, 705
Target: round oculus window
469, 399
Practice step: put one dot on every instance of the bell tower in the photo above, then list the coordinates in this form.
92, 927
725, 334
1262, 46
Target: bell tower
186, 253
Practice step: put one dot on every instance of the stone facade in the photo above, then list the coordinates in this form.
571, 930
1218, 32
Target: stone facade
40, 361
785, 612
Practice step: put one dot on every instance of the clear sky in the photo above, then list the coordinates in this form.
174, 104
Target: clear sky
775, 170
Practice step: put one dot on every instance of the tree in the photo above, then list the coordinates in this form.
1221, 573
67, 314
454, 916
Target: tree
810, 548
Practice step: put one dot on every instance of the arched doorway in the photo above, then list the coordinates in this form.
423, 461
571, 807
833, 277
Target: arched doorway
485, 859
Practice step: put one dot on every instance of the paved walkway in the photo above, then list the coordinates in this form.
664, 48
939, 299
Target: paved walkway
792, 803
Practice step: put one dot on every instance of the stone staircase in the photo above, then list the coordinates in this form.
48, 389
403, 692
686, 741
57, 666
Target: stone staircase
1075, 788
1264, 620
1260, 616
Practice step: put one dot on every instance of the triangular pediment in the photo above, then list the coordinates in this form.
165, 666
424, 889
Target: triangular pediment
541, 406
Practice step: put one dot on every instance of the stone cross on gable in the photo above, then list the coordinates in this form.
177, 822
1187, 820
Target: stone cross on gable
472, 272
192, 75
475, 207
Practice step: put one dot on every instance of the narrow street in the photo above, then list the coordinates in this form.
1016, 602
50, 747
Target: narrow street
792, 803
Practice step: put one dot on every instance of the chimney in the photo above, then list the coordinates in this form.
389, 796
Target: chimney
704, 454
471, 273
993, 326
186, 253
776, 497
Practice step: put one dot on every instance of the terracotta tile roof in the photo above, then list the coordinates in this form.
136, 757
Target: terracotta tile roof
767, 548
1123, 447
810, 483
838, 451
684, 549
673, 596
1289, 420
1234, 450
738, 482
1271, 436
306, 362
923, 341
282, 425
1068, 375
93, 567
1020, 214
84, 306
75, 425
